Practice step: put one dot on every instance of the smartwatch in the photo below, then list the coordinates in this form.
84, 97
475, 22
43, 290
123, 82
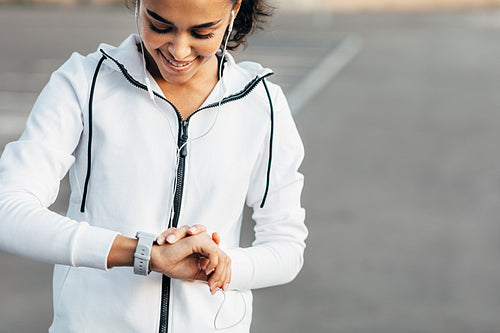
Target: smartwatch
143, 253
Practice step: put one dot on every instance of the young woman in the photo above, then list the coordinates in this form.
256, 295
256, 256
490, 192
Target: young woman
163, 132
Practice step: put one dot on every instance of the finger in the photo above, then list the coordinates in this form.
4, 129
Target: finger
197, 229
216, 279
161, 238
179, 233
227, 274
203, 263
219, 277
216, 238
228, 278
213, 261
172, 235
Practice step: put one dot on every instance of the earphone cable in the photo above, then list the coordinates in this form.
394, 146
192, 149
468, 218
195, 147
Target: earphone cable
219, 310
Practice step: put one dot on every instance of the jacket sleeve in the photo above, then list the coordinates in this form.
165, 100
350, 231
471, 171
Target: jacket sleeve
32, 168
276, 256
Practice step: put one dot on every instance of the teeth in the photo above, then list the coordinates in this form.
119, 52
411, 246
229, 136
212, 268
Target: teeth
175, 63
178, 64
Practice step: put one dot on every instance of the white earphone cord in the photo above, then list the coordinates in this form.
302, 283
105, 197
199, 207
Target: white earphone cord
220, 310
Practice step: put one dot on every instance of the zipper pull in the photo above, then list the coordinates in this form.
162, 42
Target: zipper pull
184, 138
184, 128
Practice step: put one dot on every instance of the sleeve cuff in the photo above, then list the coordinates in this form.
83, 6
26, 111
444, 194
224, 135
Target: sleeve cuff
242, 269
92, 245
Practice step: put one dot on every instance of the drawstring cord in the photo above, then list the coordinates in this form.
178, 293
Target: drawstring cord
89, 145
271, 137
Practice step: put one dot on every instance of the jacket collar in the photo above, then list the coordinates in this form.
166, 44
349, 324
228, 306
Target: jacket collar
236, 77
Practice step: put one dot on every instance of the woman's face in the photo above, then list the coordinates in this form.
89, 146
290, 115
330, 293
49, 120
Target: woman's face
182, 36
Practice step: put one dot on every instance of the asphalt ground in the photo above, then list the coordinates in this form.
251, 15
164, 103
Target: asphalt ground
402, 169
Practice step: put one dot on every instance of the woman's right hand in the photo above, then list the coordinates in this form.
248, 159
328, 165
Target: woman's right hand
191, 254
172, 235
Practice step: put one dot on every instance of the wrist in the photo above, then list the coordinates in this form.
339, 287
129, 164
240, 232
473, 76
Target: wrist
142, 254
122, 252
154, 257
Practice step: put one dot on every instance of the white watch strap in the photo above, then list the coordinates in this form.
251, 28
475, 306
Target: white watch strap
143, 253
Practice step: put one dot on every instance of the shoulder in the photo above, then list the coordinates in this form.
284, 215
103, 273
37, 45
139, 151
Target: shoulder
78, 64
78, 70
245, 73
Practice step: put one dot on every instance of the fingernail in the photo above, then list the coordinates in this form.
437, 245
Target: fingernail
193, 230
160, 240
226, 285
208, 272
214, 290
171, 238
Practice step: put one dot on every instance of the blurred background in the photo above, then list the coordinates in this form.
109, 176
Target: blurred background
397, 102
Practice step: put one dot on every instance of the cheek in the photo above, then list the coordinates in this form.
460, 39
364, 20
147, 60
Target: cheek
152, 40
208, 48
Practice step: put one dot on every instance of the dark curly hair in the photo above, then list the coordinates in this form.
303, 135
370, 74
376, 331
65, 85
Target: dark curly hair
253, 15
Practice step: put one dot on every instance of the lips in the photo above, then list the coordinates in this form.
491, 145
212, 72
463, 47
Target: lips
176, 66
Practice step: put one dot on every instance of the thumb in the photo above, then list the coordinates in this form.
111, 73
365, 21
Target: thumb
216, 238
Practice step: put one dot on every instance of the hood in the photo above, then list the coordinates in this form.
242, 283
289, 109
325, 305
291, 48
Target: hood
236, 76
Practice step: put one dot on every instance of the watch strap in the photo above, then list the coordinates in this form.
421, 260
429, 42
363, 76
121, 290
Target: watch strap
142, 253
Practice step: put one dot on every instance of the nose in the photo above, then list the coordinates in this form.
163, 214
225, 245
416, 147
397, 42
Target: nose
180, 47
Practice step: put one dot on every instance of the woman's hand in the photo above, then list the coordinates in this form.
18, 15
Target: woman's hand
189, 253
172, 235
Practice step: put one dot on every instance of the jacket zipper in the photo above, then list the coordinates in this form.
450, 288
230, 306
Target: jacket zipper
165, 292
181, 144
181, 140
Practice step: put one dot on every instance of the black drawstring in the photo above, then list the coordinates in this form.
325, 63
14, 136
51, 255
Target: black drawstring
89, 147
270, 145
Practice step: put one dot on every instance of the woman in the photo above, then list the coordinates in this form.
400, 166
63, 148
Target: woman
162, 132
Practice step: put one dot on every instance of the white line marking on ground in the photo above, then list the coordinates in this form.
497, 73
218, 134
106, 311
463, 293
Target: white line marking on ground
328, 68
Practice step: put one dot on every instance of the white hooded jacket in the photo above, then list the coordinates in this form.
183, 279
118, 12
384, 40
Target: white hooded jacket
245, 151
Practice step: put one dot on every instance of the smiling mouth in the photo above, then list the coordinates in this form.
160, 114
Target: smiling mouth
176, 64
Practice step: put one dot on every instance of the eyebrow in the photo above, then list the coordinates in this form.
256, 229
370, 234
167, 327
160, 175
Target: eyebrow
199, 26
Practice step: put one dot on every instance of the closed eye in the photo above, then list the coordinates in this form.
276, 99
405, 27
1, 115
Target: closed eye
202, 36
194, 33
158, 30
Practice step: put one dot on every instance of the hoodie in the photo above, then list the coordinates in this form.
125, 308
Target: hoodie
135, 165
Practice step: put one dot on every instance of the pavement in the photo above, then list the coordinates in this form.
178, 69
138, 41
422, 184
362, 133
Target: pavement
402, 167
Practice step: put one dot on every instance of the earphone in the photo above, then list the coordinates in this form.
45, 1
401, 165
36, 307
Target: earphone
231, 24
